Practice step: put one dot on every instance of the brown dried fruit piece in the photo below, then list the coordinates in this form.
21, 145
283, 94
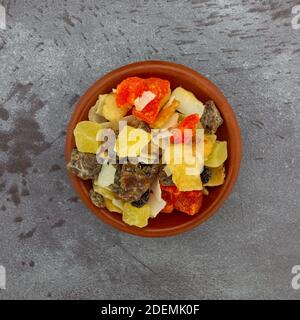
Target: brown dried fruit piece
84, 165
133, 180
97, 199
211, 118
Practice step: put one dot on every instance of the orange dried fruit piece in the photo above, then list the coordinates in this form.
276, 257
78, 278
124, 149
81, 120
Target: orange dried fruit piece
128, 90
189, 202
165, 114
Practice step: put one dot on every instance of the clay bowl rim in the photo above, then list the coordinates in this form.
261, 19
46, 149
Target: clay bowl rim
207, 86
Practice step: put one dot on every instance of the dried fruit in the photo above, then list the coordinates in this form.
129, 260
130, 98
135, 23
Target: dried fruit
85, 134
136, 216
188, 103
181, 134
217, 177
84, 165
97, 199
142, 201
205, 175
211, 118
218, 155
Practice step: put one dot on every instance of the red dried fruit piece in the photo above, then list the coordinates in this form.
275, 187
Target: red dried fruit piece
188, 202
190, 122
128, 90
160, 87
167, 196
149, 113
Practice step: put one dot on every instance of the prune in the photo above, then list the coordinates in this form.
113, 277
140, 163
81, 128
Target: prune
205, 175
142, 201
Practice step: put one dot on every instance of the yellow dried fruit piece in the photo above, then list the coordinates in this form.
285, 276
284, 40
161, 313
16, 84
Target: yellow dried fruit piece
185, 181
136, 216
209, 141
110, 110
85, 136
131, 141
217, 177
110, 206
218, 155
105, 192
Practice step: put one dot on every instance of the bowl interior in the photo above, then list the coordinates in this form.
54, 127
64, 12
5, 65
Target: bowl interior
176, 222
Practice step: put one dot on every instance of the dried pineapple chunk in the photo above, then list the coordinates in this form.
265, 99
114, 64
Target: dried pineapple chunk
184, 181
131, 142
105, 192
136, 216
110, 206
217, 176
209, 141
218, 155
110, 110
85, 134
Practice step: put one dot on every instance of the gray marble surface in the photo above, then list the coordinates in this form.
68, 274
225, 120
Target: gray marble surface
51, 246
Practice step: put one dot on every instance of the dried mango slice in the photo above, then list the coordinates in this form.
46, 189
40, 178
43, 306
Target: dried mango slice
218, 155
136, 216
165, 114
85, 134
217, 177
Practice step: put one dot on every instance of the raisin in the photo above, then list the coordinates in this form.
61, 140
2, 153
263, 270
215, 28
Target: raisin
205, 175
141, 202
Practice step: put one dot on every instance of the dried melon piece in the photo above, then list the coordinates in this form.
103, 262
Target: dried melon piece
136, 216
85, 134
209, 141
110, 110
188, 103
218, 155
110, 206
217, 177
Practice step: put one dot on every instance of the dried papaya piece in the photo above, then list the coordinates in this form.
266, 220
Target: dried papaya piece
128, 90
167, 196
161, 88
149, 113
188, 202
183, 135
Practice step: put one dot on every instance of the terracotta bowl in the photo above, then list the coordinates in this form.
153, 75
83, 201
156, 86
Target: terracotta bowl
178, 75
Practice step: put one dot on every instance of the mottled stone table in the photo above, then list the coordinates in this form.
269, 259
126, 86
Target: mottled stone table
51, 246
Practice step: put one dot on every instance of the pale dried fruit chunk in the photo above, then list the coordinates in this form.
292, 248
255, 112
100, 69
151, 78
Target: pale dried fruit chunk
218, 155
85, 134
131, 142
188, 103
136, 216
110, 110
